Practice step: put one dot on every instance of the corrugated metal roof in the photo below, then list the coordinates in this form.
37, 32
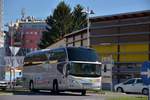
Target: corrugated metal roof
121, 15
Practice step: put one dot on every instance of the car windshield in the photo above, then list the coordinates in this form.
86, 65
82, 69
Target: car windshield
82, 54
131, 81
85, 69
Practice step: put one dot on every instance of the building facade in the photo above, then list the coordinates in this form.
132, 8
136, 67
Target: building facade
125, 37
26, 33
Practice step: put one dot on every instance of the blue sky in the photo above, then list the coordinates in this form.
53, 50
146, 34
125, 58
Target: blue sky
43, 8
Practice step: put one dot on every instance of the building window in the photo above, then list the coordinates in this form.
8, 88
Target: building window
27, 41
31, 41
35, 33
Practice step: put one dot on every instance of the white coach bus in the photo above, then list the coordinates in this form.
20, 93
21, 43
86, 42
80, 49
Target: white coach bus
62, 69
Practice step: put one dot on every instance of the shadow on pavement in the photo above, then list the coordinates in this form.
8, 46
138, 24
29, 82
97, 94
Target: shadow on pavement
40, 93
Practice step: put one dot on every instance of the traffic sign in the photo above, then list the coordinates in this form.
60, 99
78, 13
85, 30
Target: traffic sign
107, 64
14, 50
14, 61
145, 72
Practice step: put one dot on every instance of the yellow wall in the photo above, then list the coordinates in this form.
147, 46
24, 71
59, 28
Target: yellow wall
133, 57
134, 52
128, 52
105, 51
134, 48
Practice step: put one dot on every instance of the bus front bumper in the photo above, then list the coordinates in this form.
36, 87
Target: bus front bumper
90, 86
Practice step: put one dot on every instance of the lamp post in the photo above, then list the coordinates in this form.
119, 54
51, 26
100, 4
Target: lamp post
10, 66
10, 26
11, 42
88, 12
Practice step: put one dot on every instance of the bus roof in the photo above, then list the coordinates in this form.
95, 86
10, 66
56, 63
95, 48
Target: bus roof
37, 51
44, 50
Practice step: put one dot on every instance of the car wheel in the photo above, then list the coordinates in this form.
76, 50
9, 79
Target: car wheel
119, 89
145, 91
3, 89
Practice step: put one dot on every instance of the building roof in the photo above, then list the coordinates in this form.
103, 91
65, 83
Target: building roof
121, 16
75, 32
112, 17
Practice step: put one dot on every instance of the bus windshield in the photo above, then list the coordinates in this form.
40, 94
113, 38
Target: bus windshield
82, 54
85, 69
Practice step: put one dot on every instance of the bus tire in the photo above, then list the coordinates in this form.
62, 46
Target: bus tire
83, 92
31, 86
3, 89
55, 87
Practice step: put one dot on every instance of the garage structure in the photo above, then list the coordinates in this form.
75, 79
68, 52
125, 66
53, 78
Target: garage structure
125, 37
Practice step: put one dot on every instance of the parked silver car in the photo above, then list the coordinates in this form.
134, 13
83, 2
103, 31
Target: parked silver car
134, 85
3, 85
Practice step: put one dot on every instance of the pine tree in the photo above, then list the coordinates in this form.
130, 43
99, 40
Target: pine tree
62, 22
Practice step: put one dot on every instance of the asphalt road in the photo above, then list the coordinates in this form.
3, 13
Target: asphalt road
49, 96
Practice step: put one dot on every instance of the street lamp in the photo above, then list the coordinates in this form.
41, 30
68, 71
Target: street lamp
10, 26
11, 43
88, 12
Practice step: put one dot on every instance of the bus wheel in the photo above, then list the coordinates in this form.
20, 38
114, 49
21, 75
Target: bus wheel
83, 92
55, 87
31, 86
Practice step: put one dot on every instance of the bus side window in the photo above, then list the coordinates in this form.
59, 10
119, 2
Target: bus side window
61, 56
58, 55
60, 67
51, 56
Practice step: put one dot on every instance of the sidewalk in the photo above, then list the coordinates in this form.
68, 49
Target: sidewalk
12, 91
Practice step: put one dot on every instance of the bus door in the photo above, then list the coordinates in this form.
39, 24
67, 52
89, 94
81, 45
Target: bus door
42, 77
62, 81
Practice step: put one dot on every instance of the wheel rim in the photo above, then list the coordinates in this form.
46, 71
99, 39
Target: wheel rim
55, 87
145, 91
119, 90
31, 86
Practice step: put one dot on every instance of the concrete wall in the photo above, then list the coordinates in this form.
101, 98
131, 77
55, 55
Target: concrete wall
79, 39
60, 43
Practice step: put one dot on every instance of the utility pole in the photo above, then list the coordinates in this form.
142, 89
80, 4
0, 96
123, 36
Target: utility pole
1, 24
1, 15
11, 43
88, 12
14, 51
2, 52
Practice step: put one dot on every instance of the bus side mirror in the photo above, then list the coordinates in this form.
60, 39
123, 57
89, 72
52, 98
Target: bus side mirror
67, 73
67, 70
